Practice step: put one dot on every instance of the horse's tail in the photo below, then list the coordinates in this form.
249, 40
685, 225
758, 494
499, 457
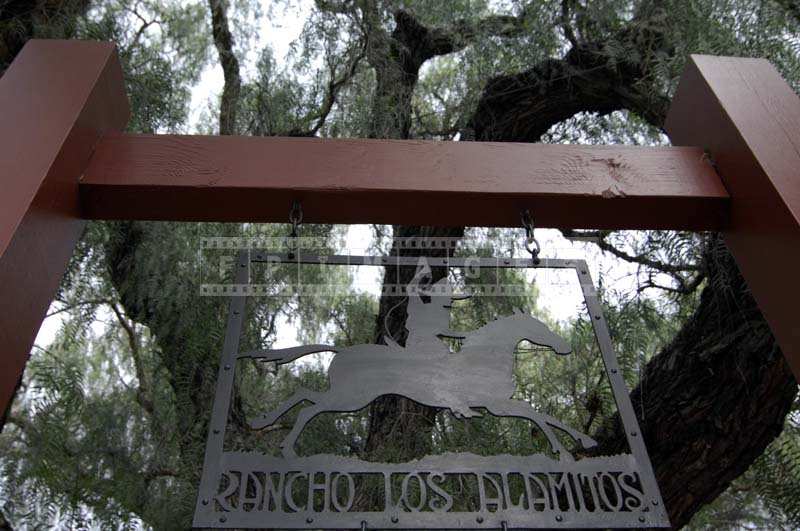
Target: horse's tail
286, 355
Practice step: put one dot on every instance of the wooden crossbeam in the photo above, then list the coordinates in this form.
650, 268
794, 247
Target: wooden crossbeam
213, 178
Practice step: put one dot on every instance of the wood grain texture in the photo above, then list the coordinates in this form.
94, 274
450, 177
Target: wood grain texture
748, 117
205, 178
57, 98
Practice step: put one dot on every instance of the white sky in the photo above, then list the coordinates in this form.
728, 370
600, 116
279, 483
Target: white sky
279, 28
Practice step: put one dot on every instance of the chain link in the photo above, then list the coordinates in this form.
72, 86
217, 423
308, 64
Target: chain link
295, 216
531, 243
296, 219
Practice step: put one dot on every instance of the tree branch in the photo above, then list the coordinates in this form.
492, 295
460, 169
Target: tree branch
342, 324
566, 26
792, 7
591, 77
4, 525
598, 238
430, 42
338, 7
143, 392
397, 59
68, 307
335, 85
223, 40
442, 41
145, 24
685, 286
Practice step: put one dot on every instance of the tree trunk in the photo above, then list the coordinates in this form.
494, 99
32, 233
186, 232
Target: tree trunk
712, 400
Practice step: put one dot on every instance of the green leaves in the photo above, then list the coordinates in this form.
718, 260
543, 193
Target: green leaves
109, 427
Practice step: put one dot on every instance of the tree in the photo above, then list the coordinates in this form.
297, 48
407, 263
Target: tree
713, 396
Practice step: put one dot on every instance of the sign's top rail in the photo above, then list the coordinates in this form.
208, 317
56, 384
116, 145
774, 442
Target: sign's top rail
445, 261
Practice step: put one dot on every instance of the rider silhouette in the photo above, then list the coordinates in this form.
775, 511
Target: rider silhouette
428, 314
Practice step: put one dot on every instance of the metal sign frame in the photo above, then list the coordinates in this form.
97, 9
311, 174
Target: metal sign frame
593, 492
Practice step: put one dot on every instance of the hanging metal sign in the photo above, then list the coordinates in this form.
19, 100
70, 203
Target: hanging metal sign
249, 489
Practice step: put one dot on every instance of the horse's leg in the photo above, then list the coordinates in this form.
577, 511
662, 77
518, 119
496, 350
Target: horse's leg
582, 438
305, 416
518, 408
272, 417
329, 403
513, 408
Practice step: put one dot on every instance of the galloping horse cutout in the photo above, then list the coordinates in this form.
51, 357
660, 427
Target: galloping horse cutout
480, 375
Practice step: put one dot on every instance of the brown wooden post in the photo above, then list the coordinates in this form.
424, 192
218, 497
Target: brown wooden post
56, 99
748, 118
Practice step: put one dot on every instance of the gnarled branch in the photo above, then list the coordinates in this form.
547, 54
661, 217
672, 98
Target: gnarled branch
522, 107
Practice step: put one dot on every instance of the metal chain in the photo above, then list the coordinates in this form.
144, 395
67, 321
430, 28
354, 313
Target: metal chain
531, 243
296, 219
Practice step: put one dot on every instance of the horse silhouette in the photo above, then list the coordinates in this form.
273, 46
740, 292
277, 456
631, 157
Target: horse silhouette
480, 375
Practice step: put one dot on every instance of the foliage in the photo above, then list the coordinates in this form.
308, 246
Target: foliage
109, 425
